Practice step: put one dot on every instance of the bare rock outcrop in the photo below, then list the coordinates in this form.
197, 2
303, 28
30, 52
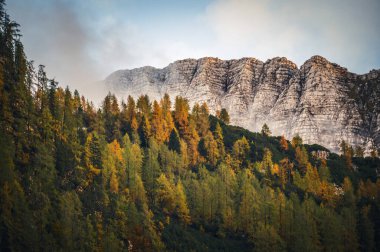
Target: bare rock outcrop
321, 101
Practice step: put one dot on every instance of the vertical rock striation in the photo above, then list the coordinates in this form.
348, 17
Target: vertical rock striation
320, 101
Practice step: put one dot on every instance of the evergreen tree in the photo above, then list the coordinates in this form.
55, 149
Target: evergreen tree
174, 141
224, 116
167, 114
218, 135
265, 130
182, 210
151, 169
200, 116
240, 150
144, 106
145, 131
165, 194
70, 181
296, 141
210, 148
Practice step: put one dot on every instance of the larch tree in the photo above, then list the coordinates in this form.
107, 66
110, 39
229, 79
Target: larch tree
181, 115
284, 143
210, 147
182, 209
158, 123
165, 195
240, 150
218, 136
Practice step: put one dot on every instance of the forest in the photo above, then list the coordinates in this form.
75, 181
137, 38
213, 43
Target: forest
142, 175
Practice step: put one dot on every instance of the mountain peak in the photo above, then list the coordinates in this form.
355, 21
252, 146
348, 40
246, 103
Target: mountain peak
316, 101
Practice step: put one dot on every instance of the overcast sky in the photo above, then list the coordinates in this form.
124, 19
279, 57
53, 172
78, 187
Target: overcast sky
84, 41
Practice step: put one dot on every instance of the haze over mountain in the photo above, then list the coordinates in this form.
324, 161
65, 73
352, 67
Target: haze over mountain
321, 101
85, 41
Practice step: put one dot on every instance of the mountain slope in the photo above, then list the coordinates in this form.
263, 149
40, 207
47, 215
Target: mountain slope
321, 101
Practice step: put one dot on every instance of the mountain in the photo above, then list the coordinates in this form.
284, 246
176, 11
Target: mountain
321, 101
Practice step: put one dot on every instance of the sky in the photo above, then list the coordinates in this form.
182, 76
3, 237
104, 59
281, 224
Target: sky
82, 42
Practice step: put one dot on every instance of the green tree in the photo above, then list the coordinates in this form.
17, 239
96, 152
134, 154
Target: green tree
218, 135
224, 116
144, 106
200, 115
182, 210
145, 131
240, 150
165, 194
296, 141
265, 131
174, 141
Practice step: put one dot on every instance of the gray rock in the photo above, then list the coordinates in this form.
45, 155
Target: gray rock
320, 101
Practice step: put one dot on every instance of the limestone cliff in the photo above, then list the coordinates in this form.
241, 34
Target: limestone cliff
321, 101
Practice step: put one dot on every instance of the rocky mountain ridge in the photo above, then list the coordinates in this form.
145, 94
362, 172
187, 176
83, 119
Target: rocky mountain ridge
321, 101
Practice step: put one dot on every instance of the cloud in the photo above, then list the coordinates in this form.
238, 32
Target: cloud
81, 42
344, 32
54, 36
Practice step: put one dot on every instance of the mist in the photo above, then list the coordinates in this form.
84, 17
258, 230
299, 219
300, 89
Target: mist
82, 42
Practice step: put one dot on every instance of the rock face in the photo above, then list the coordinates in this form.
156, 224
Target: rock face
320, 101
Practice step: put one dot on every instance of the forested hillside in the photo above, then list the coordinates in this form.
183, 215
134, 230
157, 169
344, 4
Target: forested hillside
155, 176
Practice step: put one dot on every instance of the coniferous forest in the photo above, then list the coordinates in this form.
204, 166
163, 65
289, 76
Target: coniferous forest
142, 175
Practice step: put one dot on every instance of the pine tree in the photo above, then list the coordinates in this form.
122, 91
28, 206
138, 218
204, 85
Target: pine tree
182, 210
192, 140
286, 171
167, 114
144, 106
347, 152
359, 151
200, 116
174, 141
15, 222
133, 157
165, 194
130, 114
111, 116
248, 212
151, 169
145, 131
240, 150
267, 163
265, 131
302, 159
70, 225
224, 116
366, 230
210, 148
218, 135
227, 186
296, 141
